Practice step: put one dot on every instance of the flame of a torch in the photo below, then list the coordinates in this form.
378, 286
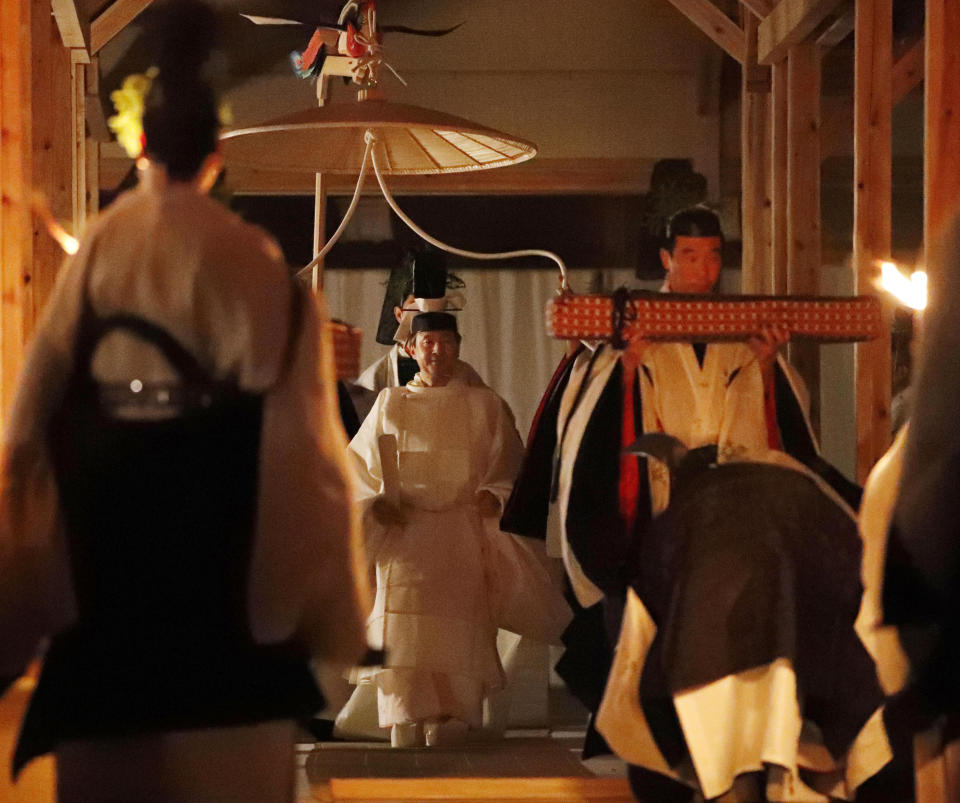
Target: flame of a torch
41, 208
910, 291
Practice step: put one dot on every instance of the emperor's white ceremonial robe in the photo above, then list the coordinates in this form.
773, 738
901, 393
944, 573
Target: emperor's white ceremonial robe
439, 598
385, 373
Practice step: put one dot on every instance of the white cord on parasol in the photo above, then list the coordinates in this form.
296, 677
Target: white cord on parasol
370, 138
313, 264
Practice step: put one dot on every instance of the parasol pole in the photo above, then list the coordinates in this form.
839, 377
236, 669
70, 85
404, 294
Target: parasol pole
320, 201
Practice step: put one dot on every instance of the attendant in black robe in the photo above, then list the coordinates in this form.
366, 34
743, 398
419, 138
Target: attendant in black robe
609, 505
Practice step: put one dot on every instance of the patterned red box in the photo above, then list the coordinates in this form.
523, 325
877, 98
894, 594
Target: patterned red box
677, 317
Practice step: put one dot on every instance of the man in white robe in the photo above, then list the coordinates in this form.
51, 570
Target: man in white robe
436, 461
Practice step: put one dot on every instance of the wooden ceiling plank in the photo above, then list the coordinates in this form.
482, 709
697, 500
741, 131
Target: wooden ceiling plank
759, 7
72, 33
113, 20
907, 71
789, 24
715, 24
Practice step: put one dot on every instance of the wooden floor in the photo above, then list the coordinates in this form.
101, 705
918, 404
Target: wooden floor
533, 764
525, 766
36, 781
519, 767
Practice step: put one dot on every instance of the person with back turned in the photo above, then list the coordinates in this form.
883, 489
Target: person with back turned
174, 510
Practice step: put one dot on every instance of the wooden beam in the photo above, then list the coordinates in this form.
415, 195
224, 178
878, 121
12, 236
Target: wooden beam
908, 71
760, 8
779, 160
790, 23
715, 24
872, 197
536, 177
756, 204
803, 200
839, 29
942, 125
112, 20
74, 34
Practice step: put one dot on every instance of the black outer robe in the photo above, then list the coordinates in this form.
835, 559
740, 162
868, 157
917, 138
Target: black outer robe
596, 532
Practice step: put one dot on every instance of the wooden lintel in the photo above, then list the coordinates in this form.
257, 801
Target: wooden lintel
839, 29
72, 32
715, 24
789, 24
537, 177
112, 20
759, 7
907, 71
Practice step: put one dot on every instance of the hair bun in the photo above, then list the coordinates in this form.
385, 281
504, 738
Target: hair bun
180, 118
188, 33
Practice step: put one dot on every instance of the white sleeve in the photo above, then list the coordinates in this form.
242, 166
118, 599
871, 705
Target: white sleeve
309, 570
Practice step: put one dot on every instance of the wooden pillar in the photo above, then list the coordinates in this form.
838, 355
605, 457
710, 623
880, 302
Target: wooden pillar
779, 151
873, 107
15, 161
78, 190
92, 161
803, 200
942, 125
755, 167
53, 172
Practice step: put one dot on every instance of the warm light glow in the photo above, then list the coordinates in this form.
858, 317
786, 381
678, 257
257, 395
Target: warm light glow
910, 291
41, 209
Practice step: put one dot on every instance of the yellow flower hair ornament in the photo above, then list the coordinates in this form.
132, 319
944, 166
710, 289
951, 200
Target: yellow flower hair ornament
127, 123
